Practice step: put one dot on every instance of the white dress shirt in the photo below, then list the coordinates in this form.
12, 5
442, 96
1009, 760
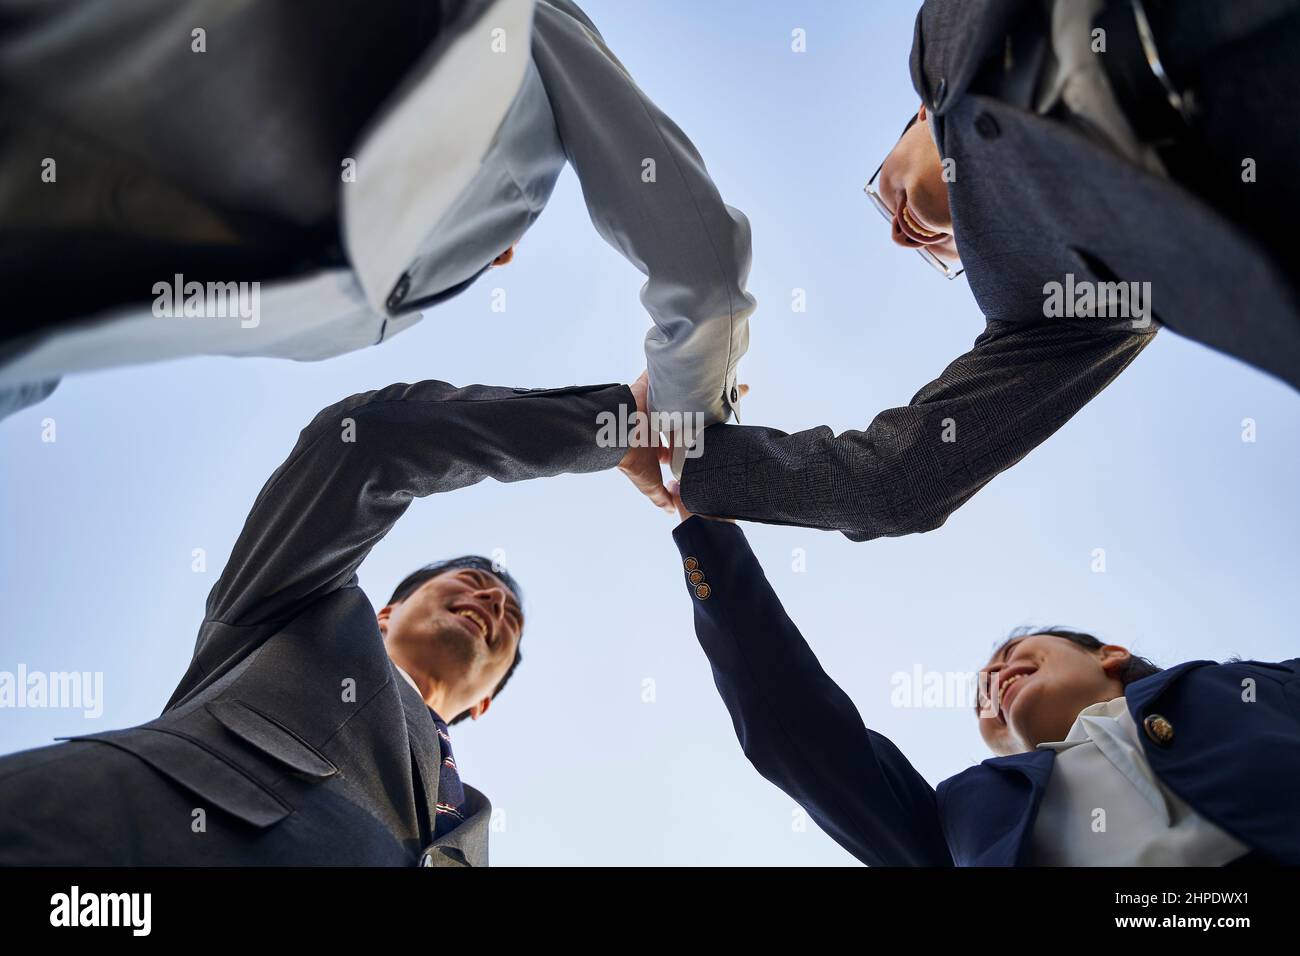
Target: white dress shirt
1105, 807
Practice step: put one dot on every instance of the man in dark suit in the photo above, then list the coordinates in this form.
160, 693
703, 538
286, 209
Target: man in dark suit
1105, 759
1101, 168
309, 728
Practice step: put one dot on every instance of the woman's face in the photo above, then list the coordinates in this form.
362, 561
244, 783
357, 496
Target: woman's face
1034, 687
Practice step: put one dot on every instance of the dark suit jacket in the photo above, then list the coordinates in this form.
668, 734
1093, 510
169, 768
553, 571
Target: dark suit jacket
291, 730
1237, 764
1035, 200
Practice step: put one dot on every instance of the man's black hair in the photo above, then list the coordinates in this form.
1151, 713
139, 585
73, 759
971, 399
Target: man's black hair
412, 582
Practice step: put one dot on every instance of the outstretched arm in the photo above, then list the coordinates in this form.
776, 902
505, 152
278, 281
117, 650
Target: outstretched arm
360, 462
667, 219
914, 466
794, 723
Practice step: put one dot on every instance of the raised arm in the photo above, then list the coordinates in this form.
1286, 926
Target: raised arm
693, 248
915, 465
795, 725
359, 463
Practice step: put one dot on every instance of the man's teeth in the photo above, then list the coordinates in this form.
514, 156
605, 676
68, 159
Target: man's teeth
1003, 686
917, 226
478, 621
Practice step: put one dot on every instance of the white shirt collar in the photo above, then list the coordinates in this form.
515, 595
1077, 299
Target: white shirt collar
1109, 727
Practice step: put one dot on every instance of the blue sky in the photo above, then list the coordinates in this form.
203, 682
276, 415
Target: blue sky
1198, 526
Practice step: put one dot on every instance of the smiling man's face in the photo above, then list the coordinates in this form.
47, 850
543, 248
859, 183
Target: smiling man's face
461, 629
1033, 688
912, 186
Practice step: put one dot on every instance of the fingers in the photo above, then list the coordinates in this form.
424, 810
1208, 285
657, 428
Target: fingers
642, 468
656, 492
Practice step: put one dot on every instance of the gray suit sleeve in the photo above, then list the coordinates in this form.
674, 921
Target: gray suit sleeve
693, 248
358, 465
914, 466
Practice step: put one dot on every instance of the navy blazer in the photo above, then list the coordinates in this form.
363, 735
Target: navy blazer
1236, 763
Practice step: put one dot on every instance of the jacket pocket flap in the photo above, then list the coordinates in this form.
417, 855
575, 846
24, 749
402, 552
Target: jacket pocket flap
199, 770
271, 737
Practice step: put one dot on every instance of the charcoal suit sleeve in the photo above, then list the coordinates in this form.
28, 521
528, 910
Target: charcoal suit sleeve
915, 465
798, 729
358, 465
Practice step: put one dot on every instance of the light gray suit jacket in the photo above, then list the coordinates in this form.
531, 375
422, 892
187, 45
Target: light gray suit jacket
451, 172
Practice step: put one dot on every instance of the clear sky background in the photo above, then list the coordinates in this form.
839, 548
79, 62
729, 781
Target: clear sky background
1198, 526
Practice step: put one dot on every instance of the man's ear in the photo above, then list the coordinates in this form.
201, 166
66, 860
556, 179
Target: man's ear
382, 616
479, 709
1113, 658
921, 114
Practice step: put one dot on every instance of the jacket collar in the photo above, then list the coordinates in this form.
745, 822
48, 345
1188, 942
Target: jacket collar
988, 810
468, 842
1142, 694
426, 748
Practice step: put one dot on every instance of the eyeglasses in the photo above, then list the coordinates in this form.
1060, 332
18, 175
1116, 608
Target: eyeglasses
931, 259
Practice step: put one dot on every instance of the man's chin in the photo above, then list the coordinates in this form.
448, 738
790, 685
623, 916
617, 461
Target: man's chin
451, 648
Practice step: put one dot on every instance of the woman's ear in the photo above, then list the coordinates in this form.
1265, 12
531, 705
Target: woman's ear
1113, 659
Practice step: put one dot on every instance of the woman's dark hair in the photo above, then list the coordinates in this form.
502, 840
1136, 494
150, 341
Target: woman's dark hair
1135, 668
412, 582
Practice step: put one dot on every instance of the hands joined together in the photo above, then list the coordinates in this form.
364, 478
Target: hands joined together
644, 461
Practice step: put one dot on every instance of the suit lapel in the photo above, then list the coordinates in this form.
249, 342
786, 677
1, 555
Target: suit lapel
426, 749
469, 841
989, 811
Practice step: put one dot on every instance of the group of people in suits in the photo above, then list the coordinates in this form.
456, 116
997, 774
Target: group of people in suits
1093, 143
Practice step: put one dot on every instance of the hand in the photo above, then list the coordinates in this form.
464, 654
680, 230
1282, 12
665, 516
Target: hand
641, 464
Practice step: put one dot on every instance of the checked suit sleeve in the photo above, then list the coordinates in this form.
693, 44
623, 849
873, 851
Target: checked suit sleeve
794, 723
915, 465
